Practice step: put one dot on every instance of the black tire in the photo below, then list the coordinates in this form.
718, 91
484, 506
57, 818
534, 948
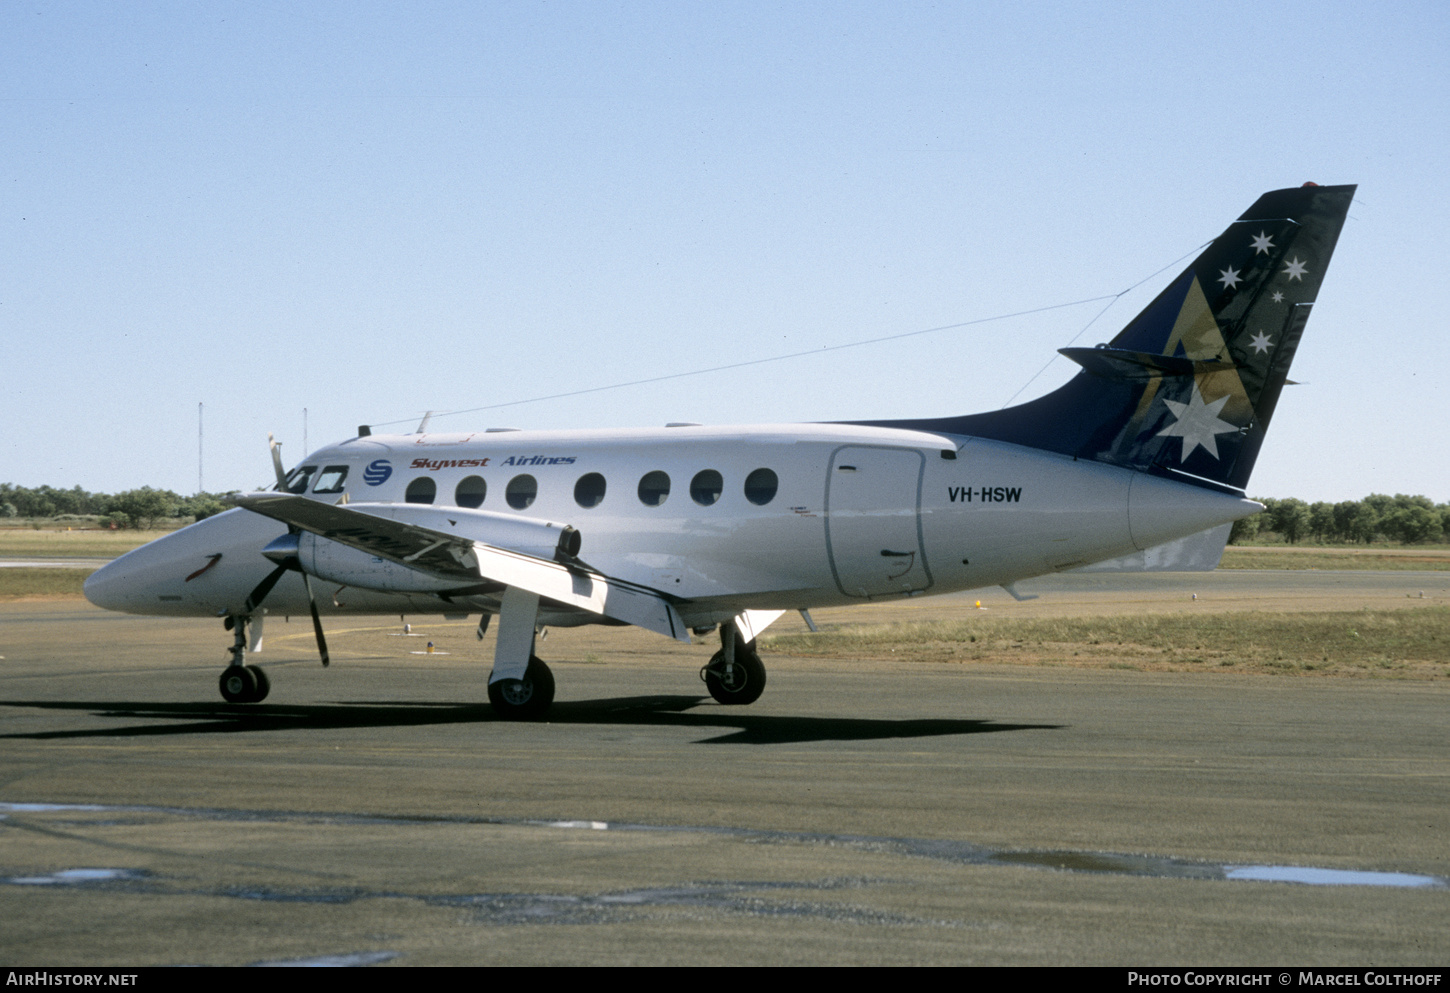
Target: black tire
238, 684
264, 685
743, 684
526, 699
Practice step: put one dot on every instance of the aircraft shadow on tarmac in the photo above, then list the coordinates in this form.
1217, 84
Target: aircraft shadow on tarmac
639, 711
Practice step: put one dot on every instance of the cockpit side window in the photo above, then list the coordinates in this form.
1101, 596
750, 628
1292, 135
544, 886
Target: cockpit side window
298, 478
331, 479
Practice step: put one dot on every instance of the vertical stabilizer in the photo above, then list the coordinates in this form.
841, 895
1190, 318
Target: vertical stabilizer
1187, 389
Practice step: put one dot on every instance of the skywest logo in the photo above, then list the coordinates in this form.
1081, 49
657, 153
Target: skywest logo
448, 463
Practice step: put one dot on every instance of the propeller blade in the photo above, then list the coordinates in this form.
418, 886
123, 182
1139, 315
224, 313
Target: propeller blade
316, 622
259, 593
276, 448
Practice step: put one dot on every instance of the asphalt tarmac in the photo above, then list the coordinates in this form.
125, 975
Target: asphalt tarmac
860, 813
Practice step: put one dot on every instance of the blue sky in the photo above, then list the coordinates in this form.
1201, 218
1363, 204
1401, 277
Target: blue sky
374, 210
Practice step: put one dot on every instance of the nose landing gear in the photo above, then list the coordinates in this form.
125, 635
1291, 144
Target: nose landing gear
242, 683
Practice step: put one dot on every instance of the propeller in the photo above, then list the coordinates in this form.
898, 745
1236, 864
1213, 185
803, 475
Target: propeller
316, 622
284, 551
276, 448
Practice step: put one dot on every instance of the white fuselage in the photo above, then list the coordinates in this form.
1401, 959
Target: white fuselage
843, 513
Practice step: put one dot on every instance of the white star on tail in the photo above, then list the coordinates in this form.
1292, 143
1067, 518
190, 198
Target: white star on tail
1261, 243
1278, 298
1229, 278
1295, 269
1261, 342
1197, 424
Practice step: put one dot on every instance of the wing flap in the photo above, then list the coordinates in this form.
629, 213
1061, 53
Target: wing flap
583, 589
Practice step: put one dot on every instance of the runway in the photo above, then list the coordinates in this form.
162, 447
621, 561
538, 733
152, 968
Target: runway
861, 813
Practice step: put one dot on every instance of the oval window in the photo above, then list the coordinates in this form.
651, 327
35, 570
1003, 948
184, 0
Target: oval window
421, 490
706, 486
470, 492
589, 491
760, 487
521, 491
654, 488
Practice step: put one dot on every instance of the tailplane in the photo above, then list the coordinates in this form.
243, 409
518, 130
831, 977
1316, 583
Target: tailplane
1187, 389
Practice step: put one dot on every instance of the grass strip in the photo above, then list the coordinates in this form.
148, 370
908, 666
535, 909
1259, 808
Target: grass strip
1410, 643
1335, 558
21, 582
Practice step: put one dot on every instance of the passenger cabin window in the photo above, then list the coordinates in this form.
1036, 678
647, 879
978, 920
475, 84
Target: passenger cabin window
521, 491
654, 488
470, 492
421, 490
589, 491
760, 487
331, 479
705, 488
298, 478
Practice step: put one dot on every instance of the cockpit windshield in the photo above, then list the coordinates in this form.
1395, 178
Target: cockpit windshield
331, 479
298, 478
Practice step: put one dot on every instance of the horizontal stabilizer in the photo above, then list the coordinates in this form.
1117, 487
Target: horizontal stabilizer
1124, 365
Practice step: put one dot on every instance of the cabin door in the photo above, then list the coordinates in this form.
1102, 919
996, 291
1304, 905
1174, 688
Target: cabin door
873, 500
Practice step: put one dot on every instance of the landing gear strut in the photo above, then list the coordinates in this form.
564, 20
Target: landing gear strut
242, 683
735, 674
526, 699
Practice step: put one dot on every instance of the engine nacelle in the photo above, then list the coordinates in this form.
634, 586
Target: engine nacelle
338, 563
335, 563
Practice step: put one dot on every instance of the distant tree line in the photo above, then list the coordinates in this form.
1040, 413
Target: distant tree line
144, 508
1413, 520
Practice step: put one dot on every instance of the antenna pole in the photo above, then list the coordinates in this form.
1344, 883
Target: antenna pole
199, 488
305, 449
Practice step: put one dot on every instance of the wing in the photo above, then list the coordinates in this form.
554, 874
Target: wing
469, 545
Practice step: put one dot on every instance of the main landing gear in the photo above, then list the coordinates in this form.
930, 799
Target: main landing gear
526, 699
734, 674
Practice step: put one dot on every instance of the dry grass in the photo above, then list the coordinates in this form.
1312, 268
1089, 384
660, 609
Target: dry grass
16, 584
1413, 643
1335, 557
19, 543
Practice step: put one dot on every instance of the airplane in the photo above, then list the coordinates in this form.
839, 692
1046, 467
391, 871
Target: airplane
689, 530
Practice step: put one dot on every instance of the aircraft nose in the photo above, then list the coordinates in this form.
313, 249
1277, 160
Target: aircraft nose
104, 588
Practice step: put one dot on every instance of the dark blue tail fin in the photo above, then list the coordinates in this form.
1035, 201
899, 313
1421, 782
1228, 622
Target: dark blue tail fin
1188, 387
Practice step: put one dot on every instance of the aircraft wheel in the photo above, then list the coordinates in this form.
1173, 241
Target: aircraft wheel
239, 684
743, 684
264, 685
526, 699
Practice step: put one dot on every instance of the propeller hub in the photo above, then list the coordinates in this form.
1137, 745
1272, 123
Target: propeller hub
282, 549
